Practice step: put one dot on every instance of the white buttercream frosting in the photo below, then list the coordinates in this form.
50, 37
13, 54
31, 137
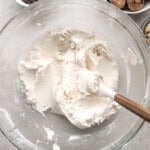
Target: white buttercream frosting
63, 74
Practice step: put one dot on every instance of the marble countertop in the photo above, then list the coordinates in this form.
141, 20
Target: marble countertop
141, 141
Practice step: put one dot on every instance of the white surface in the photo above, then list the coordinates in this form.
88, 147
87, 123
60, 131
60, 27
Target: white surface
141, 141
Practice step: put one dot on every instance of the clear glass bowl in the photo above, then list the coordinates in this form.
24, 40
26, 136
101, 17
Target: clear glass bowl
22, 125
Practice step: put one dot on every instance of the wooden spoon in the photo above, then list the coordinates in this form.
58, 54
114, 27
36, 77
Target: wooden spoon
126, 102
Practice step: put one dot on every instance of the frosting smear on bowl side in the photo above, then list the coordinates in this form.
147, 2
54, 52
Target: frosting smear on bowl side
55, 75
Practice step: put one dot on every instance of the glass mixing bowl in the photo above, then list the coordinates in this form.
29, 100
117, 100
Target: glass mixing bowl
30, 130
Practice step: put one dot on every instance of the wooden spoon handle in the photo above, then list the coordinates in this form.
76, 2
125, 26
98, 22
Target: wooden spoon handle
133, 106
